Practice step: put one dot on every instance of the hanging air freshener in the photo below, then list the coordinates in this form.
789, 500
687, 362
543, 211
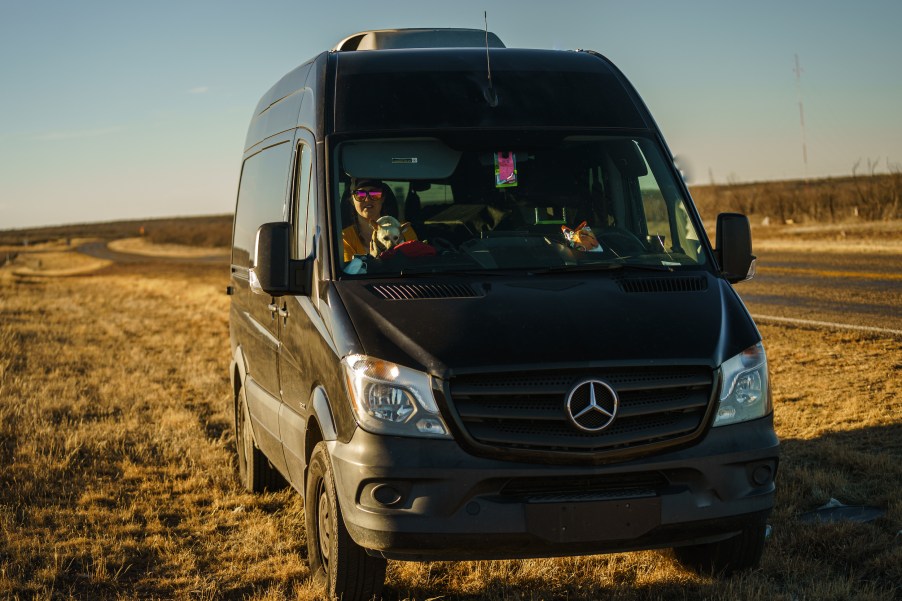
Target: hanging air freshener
505, 170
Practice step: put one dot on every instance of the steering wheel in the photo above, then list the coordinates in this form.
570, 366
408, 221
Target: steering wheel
442, 245
621, 241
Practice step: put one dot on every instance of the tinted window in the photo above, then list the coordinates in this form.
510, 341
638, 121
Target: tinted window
261, 198
578, 202
435, 89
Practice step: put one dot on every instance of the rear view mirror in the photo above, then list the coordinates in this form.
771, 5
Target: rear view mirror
734, 247
274, 272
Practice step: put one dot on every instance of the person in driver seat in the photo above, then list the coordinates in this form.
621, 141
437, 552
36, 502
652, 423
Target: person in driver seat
368, 197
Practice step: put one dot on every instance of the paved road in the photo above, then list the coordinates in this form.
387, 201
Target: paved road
102, 251
855, 289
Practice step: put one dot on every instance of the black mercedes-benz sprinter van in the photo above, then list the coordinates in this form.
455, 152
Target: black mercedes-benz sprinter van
553, 363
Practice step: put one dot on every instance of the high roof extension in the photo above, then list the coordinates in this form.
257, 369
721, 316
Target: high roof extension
385, 39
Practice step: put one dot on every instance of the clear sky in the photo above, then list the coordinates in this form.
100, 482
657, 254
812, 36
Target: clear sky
122, 109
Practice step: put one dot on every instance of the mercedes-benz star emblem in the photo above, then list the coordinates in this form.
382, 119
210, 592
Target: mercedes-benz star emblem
592, 405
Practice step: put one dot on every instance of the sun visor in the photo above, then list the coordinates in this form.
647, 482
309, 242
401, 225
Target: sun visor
399, 159
628, 158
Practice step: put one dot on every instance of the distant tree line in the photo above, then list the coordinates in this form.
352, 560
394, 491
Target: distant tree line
208, 231
864, 196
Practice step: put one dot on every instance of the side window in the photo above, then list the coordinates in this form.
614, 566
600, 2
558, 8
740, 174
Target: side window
303, 214
666, 215
437, 194
657, 217
261, 198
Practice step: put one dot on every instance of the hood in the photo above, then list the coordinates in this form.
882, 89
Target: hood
460, 325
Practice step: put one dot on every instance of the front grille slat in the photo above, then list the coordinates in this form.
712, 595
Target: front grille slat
519, 389
526, 411
509, 412
558, 438
697, 381
686, 403
590, 488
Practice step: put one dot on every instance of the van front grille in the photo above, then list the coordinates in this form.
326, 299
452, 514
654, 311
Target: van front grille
503, 412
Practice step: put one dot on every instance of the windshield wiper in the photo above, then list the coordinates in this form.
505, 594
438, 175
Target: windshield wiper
414, 272
586, 267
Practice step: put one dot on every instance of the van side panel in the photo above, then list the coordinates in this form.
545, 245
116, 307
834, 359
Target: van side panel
307, 115
292, 429
278, 110
277, 118
323, 92
264, 410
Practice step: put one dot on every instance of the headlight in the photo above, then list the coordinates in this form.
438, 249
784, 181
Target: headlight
391, 399
744, 392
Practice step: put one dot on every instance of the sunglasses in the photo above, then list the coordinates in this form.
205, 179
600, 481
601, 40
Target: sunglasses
360, 195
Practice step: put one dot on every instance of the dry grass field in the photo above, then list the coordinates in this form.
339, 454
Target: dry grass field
118, 480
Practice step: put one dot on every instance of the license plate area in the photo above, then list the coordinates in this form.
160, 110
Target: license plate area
618, 519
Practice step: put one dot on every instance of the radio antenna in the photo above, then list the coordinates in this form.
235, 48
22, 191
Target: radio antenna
490, 95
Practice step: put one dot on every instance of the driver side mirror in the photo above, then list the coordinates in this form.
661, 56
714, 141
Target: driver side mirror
734, 247
274, 271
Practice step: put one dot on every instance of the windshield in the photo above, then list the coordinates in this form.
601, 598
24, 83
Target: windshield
541, 203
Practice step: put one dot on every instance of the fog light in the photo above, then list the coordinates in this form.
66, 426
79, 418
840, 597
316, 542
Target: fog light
762, 475
385, 495
431, 425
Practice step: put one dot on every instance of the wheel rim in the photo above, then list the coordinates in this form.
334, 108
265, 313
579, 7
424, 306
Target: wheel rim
324, 515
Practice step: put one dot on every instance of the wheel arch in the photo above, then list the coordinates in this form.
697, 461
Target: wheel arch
238, 375
320, 426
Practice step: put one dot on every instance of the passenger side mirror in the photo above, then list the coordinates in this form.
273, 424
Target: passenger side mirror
734, 247
274, 271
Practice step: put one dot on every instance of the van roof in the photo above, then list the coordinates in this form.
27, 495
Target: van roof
384, 39
449, 88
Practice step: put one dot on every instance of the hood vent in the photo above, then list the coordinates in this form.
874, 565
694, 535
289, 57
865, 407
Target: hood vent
422, 291
667, 284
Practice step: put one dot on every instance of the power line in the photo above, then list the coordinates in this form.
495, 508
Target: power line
798, 72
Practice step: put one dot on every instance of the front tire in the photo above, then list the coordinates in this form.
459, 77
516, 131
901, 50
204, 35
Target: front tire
336, 561
742, 552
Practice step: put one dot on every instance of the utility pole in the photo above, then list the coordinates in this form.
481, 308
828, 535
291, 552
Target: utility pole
798, 73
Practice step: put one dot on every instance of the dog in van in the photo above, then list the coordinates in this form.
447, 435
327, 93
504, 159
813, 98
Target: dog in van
388, 233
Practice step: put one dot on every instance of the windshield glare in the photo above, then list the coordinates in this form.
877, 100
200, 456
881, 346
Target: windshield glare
421, 205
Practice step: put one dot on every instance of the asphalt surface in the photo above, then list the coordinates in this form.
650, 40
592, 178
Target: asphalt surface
100, 250
833, 290
857, 290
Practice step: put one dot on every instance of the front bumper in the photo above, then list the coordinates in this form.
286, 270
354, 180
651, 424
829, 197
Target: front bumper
420, 499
